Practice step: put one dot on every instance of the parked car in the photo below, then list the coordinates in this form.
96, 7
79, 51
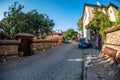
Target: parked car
84, 43
67, 40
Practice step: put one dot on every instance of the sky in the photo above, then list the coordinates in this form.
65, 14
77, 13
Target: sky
65, 13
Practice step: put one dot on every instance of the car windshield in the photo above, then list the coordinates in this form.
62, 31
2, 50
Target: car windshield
82, 40
67, 39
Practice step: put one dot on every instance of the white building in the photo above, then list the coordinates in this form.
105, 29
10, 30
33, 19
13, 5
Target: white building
88, 13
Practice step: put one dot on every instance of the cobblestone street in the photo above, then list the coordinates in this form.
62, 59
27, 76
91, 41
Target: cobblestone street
65, 62
60, 40
61, 63
101, 68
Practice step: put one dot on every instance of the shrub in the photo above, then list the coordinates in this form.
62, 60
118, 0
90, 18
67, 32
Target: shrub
21, 53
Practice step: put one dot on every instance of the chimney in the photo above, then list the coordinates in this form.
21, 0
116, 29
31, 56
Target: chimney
98, 3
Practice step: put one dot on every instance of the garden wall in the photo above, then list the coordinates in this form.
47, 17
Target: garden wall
11, 48
40, 45
112, 43
113, 37
8, 48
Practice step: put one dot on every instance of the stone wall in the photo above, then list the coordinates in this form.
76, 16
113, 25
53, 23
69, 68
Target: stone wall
8, 48
113, 39
41, 45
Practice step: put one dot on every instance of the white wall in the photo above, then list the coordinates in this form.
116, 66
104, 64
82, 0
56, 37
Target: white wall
85, 21
112, 13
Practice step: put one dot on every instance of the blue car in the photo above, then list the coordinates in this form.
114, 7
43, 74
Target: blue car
67, 40
84, 43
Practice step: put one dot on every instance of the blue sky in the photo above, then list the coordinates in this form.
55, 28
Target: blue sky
65, 13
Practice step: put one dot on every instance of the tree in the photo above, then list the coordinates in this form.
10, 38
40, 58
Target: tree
80, 24
47, 25
70, 33
33, 22
16, 21
118, 18
12, 20
100, 22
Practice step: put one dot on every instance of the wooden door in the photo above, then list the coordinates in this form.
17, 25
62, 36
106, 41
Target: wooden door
25, 46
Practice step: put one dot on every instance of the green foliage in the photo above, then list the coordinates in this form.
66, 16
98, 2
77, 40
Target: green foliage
21, 53
70, 33
100, 22
12, 19
16, 21
118, 18
80, 24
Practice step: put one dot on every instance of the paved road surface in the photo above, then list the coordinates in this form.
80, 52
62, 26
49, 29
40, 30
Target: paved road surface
61, 63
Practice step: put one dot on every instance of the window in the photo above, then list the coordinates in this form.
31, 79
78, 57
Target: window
93, 11
110, 11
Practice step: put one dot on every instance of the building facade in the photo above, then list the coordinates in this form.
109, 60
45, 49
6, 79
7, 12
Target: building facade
88, 13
